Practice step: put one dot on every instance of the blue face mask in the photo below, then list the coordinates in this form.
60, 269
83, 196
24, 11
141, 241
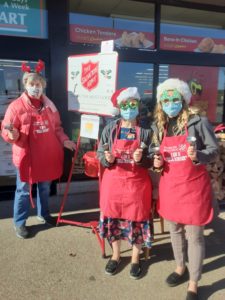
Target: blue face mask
129, 114
172, 109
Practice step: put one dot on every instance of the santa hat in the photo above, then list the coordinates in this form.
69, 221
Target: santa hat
172, 84
123, 95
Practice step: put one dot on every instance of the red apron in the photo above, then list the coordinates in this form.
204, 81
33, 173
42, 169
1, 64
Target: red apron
126, 187
44, 162
185, 194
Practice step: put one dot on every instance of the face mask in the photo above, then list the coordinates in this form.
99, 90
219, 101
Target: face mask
129, 114
34, 92
172, 109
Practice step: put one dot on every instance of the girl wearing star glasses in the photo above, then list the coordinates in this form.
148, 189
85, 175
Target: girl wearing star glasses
125, 195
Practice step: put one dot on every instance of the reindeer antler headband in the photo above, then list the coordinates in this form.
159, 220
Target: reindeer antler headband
38, 68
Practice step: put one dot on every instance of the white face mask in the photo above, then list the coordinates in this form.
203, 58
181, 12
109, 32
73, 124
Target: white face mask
34, 92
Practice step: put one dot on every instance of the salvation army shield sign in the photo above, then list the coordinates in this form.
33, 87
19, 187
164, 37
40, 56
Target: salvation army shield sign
91, 81
89, 75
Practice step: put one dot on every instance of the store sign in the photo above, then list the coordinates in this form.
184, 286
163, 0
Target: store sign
122, 38
124, 32
91, 82
192, 44
139, 34
26, 18
192, 39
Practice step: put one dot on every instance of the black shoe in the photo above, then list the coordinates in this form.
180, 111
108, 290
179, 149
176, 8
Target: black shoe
48, 220
191, 296
21, 232
111, 266
175, 279
135, 271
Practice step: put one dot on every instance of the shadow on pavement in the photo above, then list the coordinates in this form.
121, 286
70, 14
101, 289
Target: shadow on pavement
74, 202
35, 229
207, 291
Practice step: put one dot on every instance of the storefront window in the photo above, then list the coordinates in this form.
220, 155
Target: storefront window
192, 30
10, 81
26, 18
207, 85
141, 76
133, 28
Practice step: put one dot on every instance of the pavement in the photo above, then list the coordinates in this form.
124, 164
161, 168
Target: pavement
65, 262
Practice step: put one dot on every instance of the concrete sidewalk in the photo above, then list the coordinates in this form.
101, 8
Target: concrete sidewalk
65, 262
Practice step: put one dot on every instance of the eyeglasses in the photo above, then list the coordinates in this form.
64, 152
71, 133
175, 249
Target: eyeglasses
170, 96
171, 100
132, 104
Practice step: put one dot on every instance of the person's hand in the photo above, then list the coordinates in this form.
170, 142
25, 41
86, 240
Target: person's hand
158, 161
69, 145
192, 153
13, 133
137, 155
109, 157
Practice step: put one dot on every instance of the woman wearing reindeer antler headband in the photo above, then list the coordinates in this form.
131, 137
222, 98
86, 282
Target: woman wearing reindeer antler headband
32, 125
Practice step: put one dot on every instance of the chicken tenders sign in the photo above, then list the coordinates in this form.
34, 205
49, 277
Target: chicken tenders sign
91, 82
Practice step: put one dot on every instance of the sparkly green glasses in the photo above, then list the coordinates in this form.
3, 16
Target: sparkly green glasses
169, 96
124, 105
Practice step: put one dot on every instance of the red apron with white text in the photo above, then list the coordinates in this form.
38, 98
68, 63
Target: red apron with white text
44, 162
126, 187
185, 194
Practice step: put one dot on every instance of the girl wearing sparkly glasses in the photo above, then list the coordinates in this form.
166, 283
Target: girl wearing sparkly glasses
125, 195
187, 144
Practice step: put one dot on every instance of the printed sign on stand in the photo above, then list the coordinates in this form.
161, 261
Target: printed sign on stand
89, 126
91, 82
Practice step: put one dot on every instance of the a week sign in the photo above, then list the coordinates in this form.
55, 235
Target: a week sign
27, 18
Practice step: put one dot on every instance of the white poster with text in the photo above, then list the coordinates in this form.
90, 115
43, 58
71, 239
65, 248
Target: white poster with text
89, 126
91, 82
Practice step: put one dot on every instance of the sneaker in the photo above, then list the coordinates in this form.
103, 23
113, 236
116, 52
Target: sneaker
47, 220
175, 279
135, 271
21, 231
111, 266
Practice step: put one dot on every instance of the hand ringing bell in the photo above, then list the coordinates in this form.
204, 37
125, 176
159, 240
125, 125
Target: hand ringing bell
105, 147
192, 141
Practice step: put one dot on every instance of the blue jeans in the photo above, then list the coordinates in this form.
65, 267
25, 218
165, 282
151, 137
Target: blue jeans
22, 200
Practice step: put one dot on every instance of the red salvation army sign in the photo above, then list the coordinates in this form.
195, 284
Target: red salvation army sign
89, 75
91, 82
